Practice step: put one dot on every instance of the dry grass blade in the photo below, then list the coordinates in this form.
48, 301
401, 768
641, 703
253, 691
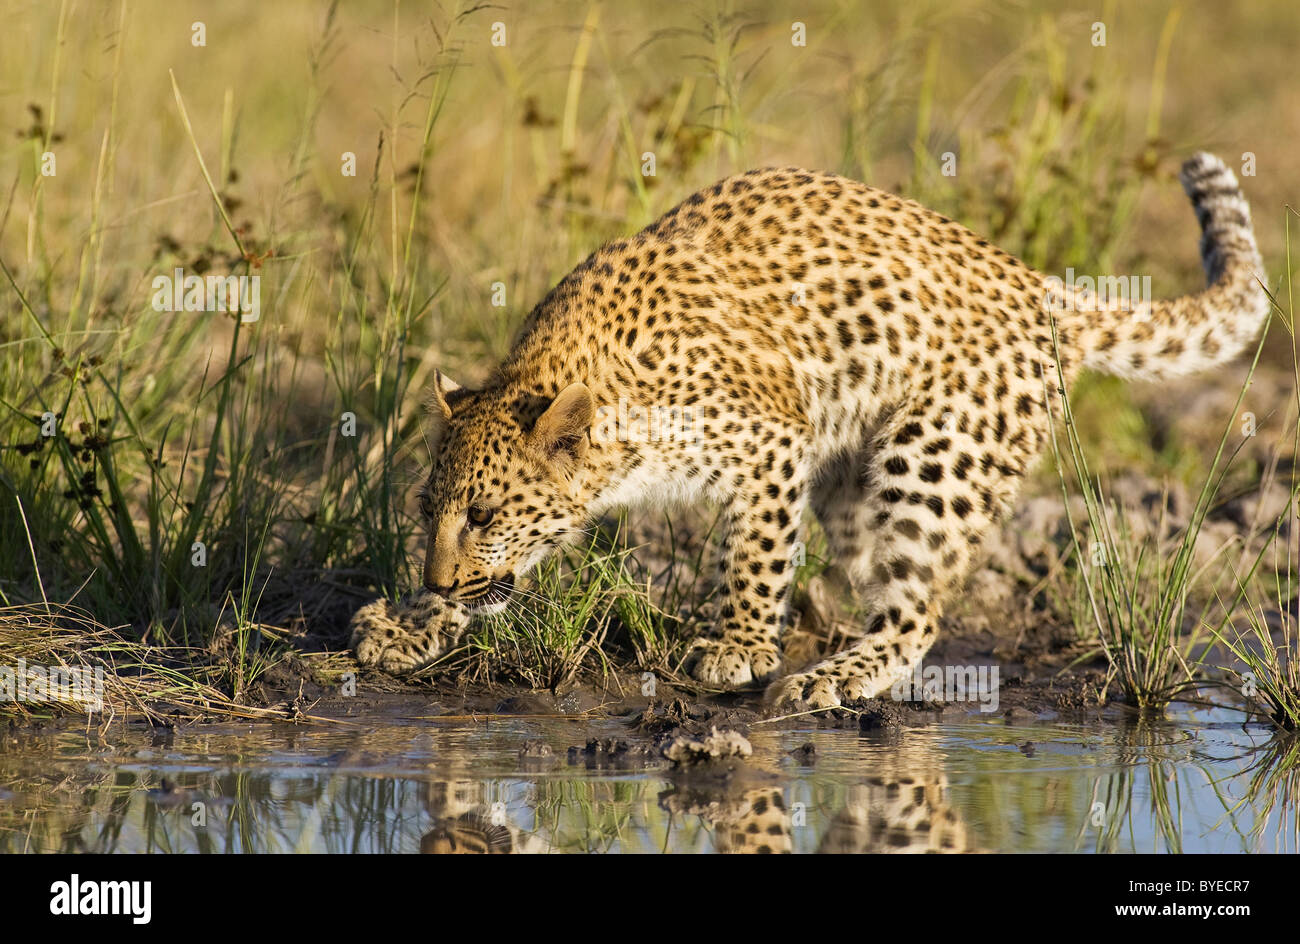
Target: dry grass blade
158, 684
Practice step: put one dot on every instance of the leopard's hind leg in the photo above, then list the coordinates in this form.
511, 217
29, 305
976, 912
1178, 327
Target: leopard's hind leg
907, 516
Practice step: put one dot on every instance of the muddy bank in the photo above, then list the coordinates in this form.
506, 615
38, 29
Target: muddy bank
1011, 623
1008, 624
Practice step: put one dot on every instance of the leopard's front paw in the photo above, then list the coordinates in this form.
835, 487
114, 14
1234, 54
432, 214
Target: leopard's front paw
391, 650
821, 687
731, 664
405, 636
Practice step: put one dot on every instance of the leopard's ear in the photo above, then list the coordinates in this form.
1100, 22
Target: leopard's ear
438, 405
560, 433
443, 387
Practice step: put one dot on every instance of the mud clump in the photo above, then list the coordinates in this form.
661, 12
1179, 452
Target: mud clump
1079, 694
679, 717
689, 735
536, 752
683, 749
611, 753
661, 718
877, 715
867, 714
575, 702
805, 755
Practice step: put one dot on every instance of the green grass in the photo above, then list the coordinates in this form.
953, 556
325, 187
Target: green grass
1139, 589
1155, 613
1267, 673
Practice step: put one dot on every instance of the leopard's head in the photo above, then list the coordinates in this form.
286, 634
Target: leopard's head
507, 487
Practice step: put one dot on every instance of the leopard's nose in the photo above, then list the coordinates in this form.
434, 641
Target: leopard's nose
440, 589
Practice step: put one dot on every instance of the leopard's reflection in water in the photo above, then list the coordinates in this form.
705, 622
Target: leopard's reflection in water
901, 807
424, 783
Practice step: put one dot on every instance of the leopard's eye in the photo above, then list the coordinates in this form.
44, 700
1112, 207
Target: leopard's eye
478, 516
426, 506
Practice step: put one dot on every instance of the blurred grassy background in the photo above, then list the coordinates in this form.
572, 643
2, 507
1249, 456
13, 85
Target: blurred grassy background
479, 164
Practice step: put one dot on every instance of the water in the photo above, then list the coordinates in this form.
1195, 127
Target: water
1199, 782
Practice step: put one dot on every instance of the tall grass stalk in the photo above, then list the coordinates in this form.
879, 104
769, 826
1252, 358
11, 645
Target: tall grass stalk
1139, 595
1268, 650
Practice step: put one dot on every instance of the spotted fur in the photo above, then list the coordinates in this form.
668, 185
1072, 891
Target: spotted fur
409, 635
828, 347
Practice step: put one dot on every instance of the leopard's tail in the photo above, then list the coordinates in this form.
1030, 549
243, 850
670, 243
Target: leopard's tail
1151, 340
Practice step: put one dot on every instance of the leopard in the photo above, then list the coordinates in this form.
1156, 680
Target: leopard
788, 344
